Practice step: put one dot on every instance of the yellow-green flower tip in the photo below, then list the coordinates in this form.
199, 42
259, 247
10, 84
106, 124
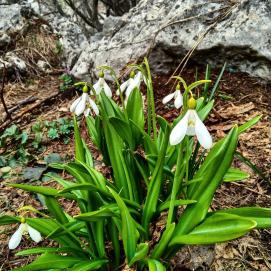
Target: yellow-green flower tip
85, 89
178, 87
101, 74
132, 74
191, 103
22, 220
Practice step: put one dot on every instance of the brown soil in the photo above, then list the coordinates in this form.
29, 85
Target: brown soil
246, 99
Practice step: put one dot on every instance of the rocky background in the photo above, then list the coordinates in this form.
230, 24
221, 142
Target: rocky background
88, 34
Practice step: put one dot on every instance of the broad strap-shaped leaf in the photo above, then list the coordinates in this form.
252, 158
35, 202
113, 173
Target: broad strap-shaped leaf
6, 219
218, 227
41, 250
129, 233
261, 215
46, 191
141, 252
53, 261
203, 193
88, 266
124, 131
162, 245
46, 226
155, 265
98, 215
135, 112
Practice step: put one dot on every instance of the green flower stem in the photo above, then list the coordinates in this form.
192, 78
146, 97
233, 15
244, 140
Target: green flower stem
176, 183
151, 103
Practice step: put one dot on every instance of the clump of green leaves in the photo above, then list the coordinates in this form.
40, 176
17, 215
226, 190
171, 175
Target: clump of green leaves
114, 225
67, 81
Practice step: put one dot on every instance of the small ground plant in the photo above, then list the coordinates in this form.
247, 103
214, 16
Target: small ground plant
156, 166
19, 147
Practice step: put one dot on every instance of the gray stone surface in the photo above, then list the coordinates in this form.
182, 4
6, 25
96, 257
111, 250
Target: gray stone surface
10, 18
243, 38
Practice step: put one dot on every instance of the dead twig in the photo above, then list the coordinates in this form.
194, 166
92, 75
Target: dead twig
2, 92
39, 103
25, 101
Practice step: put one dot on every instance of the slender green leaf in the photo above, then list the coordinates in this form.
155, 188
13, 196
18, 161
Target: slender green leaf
129, 232
234, 174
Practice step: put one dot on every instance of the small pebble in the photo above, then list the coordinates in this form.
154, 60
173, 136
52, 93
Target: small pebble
5, 169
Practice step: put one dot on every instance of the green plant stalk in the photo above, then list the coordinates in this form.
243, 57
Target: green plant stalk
176, 184
114, 237
154, 188
79, 148
151, 99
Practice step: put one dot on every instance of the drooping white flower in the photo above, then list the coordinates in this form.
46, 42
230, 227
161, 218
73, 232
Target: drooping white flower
83, 104
191, 125
133, 82
23, 229
176, 95
101, 85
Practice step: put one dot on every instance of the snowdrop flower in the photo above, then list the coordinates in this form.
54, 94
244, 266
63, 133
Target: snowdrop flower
176, 95
133, 82
102, 85
23, 229
191, 125
83, 104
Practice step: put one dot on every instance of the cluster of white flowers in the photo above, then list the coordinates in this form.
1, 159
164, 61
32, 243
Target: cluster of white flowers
189, 125
84, 103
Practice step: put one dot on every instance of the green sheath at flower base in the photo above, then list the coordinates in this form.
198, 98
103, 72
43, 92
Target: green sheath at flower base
132, 74
22, 220
85, 89
192, 103
101, 74
178, 87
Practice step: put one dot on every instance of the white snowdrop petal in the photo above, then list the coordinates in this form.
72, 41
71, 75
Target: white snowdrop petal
137, 79
203, 134
123, 86
98, 86
129, 89
94, 106
178, 100
168, 98
16, 237
87, 112
74, 104
81, 106
178, 132
34, 234
107, 90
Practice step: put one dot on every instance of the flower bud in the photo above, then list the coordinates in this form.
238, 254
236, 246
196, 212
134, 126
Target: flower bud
22, 220
101, 74
85, 89
191, 103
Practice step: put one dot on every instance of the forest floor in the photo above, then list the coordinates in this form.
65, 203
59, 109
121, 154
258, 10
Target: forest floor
238, 99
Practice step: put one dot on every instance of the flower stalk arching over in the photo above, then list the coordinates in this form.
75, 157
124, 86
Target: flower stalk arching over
176, 95
84, 104
101, 85
23, 229
191, 125
129, 85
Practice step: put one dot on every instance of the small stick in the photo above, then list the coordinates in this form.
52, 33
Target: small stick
2, 92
